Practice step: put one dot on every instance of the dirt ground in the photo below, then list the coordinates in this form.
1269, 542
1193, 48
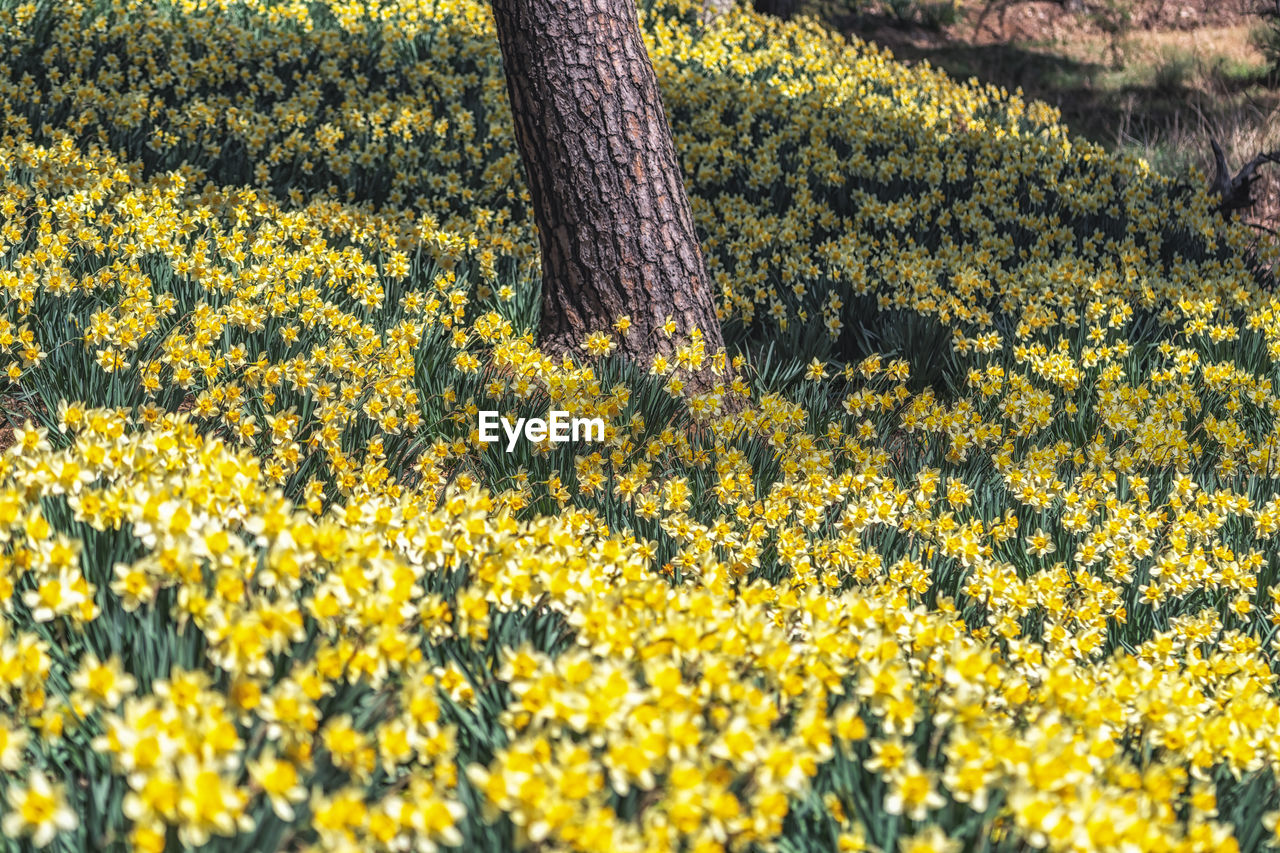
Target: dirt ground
1220, 26
1159, 76
1005, 20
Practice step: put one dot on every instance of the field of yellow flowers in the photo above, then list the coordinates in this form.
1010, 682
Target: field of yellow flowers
983, 559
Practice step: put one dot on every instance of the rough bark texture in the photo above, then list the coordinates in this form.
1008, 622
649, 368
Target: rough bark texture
780, 8
614, 223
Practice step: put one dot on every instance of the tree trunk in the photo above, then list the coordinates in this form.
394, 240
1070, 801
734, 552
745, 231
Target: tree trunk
614, 224
780, 8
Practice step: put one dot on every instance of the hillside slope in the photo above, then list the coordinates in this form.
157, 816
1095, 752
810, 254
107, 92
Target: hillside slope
985, 563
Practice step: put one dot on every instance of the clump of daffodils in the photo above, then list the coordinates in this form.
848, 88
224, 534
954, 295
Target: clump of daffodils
350, 646
1006, 582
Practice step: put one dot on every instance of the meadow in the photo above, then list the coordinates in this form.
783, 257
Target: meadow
980, 557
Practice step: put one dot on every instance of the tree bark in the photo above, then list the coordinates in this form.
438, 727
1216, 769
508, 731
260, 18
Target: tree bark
614, 224
779, 8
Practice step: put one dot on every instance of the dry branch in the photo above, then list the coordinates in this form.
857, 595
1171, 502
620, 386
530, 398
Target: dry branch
1236, 192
